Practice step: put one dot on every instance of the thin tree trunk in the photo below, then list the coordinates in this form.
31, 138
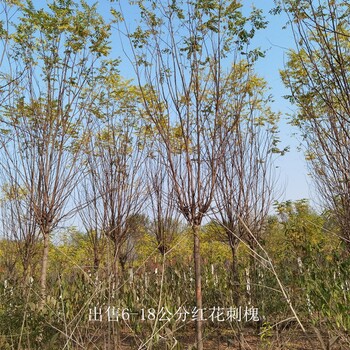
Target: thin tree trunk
25, 275
235, 276
44, 265
96, 259
115, 294
198, 282
116, 268
252, 277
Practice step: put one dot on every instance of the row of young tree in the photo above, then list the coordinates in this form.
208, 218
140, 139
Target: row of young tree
192, 140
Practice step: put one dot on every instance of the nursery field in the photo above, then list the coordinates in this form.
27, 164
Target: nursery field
140, 153
298, 302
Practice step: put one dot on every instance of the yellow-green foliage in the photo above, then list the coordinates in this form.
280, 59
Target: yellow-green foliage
8, 255
214, 246
73, 252
180, 249
298, 231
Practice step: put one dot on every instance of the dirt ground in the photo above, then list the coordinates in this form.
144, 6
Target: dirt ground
291, 339
220, 337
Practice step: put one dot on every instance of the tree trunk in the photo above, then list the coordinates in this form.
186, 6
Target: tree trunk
116, 268
115, 295
235, 276
25, 263
198, 282
44, 264
96, 259
252, 296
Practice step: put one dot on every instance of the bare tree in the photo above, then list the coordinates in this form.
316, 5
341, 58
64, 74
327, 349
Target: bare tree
166, 222
180, 48
18, 223
53, 53
89, 214
246, 177
114, 187
317, 75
